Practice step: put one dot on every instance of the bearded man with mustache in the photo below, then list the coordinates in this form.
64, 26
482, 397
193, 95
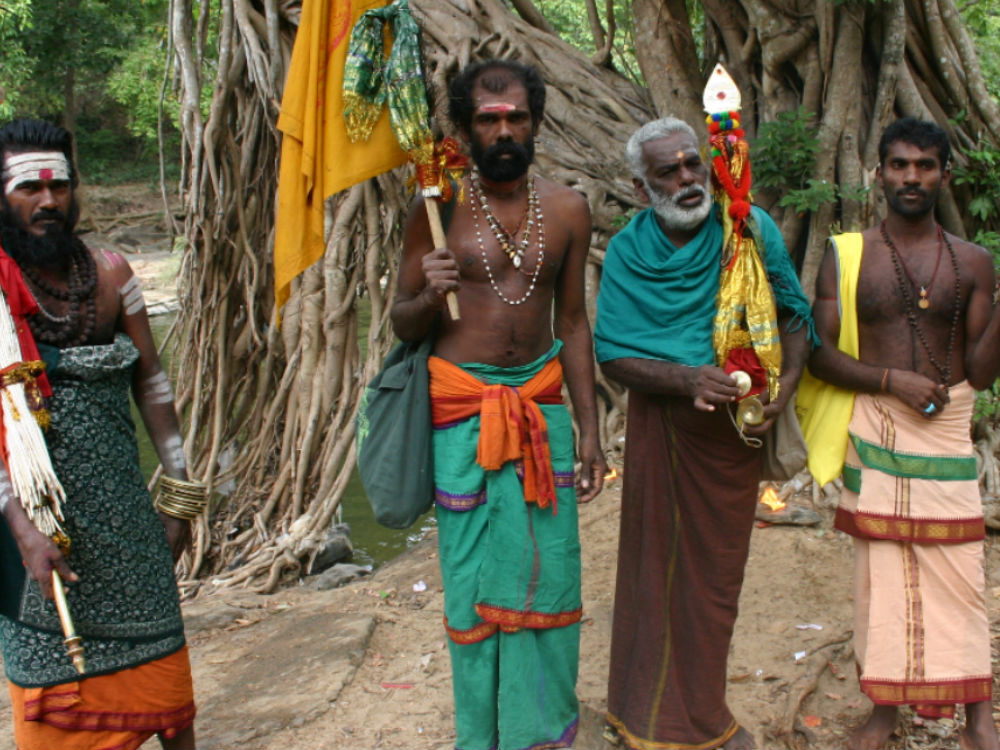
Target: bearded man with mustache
503, 448
82, 313
691, 482
927, 336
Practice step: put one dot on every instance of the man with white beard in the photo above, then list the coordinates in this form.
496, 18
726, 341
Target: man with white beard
691, 482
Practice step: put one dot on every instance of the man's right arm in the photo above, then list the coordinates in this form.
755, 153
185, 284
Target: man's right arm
706, 385
39, 553
426, 275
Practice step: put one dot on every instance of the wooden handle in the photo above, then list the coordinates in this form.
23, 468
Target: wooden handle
437, 237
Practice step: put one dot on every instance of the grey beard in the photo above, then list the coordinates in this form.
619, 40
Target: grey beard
676, 216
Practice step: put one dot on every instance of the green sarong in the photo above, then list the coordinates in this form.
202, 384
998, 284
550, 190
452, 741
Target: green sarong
511, 574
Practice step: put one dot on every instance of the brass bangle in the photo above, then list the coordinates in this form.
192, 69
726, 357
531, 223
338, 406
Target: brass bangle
180, 498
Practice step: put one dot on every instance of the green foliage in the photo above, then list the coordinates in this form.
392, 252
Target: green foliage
987, 404
812, 196
784, 153
784, 157
135, 85
569, 18
15, 18
980, 176
982, 19
95, 66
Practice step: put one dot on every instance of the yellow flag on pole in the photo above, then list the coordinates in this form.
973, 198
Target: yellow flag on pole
317, 159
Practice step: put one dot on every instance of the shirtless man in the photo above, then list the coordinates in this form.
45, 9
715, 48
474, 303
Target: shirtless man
506, 508
86, 314
911, 497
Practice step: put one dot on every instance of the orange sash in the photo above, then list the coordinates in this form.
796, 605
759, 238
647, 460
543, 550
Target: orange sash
511, 422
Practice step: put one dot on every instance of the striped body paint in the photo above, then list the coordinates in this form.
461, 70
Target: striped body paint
156, 389
131, 296
173, 454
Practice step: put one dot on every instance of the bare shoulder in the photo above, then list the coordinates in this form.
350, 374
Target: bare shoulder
968, 252
564, 198
113, 265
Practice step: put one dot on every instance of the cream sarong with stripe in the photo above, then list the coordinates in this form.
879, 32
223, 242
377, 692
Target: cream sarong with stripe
911, 500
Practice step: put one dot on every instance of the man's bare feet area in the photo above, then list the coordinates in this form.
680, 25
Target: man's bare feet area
979, 733
742, 740
874, 733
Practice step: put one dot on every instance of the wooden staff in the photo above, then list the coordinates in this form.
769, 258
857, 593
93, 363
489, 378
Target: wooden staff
437, 237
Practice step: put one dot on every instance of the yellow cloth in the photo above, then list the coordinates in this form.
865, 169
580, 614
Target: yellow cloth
317, 159
824, 410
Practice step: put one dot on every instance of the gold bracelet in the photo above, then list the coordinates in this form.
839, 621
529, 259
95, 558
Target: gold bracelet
180, 498
885, 380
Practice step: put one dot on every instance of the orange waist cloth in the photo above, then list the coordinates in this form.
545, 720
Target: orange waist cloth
512, 425
116, 711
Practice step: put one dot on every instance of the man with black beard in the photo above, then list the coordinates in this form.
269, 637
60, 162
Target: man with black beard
503, 447
908, 319
82, 313
690, 487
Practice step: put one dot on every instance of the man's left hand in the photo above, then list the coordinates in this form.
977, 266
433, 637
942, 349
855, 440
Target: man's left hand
772, 409
178, 534
592, 470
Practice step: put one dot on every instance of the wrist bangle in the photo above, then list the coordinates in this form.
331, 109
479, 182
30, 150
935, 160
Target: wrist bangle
885, 381
180, 498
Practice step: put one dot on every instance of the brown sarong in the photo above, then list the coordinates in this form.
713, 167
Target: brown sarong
688, 502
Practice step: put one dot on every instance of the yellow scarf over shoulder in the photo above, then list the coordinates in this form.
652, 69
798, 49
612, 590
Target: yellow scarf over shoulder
824, 410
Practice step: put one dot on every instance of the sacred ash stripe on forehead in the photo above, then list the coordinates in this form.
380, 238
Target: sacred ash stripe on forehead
33, 166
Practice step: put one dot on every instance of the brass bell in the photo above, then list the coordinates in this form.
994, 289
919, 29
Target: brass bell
742, 381
749, 411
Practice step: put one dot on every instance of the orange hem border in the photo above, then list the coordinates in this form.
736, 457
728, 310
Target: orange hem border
638, 743
175, 720
511, 619
895, 528
475, 634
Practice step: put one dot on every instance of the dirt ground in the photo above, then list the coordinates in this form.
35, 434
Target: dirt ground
365, 666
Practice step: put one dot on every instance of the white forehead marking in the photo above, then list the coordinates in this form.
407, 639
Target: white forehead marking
33, 166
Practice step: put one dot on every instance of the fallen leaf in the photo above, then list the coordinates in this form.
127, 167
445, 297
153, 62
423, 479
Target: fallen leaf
812, 721
834, 696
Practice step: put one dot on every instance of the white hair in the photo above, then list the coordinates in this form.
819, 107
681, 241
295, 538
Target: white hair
652, 131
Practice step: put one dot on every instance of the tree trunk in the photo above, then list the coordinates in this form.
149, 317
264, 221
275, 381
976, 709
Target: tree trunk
271, 410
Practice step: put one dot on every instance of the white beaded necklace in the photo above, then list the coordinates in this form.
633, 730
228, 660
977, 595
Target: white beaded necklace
479, 197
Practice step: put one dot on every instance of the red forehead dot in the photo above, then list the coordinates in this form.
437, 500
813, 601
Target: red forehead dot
45, 174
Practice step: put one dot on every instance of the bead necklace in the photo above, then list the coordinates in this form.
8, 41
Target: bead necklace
506, 239
925, 291
76, 326
911, 314
478, 197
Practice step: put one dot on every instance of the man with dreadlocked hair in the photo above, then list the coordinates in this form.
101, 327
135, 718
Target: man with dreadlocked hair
86, 315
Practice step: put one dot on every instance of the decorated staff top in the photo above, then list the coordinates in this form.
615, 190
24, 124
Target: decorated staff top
373, 81
720, 94
745, 335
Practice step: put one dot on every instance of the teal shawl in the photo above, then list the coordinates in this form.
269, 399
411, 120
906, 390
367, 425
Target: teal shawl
657, 301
